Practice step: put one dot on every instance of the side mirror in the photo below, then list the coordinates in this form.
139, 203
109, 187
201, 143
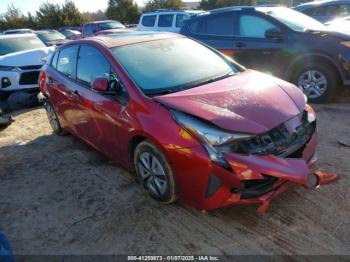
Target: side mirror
274, 34
100, 84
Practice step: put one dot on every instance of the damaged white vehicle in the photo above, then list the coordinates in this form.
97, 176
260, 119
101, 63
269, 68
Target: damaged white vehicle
21, 58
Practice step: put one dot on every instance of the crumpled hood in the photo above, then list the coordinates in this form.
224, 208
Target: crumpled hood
249, 102
26, 58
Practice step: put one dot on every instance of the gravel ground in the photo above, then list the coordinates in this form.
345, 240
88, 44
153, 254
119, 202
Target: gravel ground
59, 196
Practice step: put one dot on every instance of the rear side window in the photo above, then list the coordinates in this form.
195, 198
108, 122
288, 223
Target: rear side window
254, 26
165, 20
222, 24
67, 60
54, 60
91, 64
180, 19
148, 20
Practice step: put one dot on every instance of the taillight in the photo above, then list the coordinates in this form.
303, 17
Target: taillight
42, 79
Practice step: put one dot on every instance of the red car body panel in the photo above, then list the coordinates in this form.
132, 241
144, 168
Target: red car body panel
249, 102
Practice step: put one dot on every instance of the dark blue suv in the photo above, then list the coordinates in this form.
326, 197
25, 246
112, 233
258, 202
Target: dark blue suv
279, 41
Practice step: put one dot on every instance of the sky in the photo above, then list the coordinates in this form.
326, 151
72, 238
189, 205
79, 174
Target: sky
83, 5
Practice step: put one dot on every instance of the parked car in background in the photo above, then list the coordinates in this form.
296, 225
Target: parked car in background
325, 11
191, 122
18, 31
280, 41
165, 20
71, 34
75, 28
51, 37
93, 28
21, 58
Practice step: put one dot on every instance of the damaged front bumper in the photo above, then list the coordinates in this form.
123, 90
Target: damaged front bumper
251, 179
265, 177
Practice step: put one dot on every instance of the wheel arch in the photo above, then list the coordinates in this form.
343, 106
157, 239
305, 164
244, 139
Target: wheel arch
312, 59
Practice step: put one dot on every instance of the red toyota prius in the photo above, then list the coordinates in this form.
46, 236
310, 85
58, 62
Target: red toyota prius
194, 124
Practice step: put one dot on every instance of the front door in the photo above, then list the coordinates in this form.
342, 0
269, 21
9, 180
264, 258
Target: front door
254, 50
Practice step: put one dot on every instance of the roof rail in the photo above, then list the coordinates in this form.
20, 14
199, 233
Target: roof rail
232, 8
171, 9
246, 7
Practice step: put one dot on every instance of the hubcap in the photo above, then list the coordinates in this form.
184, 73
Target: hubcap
152, 173
52, 117
313, 83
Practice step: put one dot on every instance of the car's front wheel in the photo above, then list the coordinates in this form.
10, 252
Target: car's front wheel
318, 82
154, 172
53, 119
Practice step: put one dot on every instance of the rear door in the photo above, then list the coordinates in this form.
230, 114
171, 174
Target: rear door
254, 50
166, 22
61, 81
216, 30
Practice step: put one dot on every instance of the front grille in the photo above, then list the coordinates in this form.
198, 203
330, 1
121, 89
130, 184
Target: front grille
255, 187
278, 141
29, 78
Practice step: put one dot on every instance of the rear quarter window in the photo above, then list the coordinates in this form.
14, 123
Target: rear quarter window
148, 20
54, 59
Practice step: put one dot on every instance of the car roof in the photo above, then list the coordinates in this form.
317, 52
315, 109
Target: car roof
46, 31
128, 38
258, 8
16, 35
320, 3
100, 22
173, 11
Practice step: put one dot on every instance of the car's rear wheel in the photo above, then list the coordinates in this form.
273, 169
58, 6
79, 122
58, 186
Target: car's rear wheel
154, 172
53, 119
318, 82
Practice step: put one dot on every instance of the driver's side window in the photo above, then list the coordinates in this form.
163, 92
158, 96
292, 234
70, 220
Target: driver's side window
254, 26
91, 64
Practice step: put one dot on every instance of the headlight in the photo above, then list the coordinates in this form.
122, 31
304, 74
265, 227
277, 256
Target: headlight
346, 43
7, 68
205, 132
211, 137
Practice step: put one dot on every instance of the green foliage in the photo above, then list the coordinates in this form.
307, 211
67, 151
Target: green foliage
125, 11
153, 5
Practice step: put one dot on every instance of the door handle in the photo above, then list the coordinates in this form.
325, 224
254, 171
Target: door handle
75, 95
240, 45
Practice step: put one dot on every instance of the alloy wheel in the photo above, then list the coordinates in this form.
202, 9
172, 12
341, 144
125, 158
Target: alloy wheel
152, 173
313, 83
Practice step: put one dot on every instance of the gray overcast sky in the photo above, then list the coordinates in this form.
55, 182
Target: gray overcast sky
83, 5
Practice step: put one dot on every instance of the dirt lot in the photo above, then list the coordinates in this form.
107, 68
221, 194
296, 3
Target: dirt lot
59, 196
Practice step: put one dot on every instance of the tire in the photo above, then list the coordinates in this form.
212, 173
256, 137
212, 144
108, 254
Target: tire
318, 82
53, 119
160, 184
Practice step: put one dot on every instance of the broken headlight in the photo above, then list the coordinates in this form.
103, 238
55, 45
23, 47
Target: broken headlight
211, 137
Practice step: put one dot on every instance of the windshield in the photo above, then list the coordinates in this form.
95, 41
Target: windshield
170, 65
295, 20
17, 44
51, 36
111, 25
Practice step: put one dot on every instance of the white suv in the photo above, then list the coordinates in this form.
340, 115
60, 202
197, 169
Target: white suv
165, 20
21, 58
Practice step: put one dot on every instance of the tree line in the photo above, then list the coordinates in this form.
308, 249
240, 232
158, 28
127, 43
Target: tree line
53, 16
